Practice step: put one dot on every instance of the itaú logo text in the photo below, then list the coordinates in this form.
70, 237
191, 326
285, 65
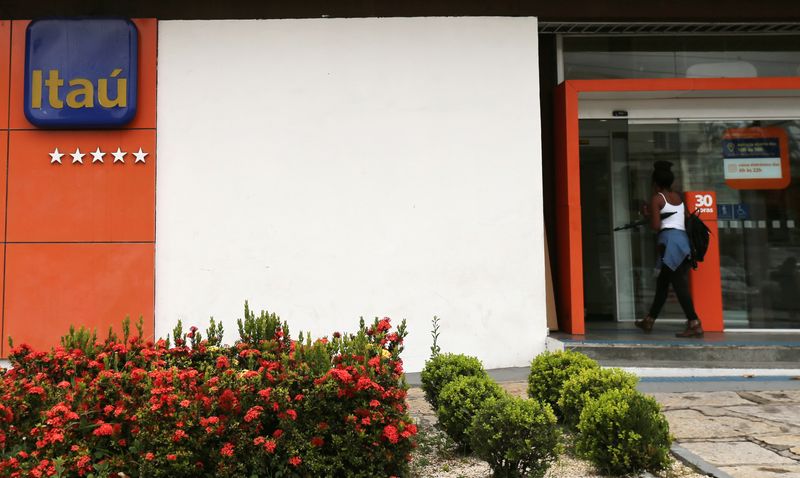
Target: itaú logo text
80, 91
81, 72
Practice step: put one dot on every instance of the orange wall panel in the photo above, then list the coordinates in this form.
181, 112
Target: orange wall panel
52, 286
4, 344
146, 102
3, 168
5, 51
79, 236
73, 202
148, 48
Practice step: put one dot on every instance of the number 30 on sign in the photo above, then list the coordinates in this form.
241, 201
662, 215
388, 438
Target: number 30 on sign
703, 201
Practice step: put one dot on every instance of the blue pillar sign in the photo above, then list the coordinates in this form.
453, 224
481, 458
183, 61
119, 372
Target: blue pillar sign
81, 72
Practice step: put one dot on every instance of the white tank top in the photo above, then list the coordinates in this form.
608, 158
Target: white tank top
675, 221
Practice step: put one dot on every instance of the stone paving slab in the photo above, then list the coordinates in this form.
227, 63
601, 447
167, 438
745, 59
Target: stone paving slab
693, 425
421, 409
786, 413
718, 412
736, 453
768, 471
730, 430
518, 389
695, 399
784, 442
792, 396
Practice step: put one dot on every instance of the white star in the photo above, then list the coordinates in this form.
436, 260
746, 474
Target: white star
55, 157
77, 156
119, 155
140, 156
97, 155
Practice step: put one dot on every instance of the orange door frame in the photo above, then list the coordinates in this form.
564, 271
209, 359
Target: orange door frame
568, 191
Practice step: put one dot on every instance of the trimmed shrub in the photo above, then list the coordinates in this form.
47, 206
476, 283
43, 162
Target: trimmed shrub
266, 406
518, 437
624, 432
590, 384
443, 369
460, 401
550, 370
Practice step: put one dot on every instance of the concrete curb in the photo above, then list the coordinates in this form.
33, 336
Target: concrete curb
698, 463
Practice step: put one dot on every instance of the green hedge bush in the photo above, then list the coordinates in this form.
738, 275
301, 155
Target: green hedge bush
550, 370
443, 369
517, 437
460, 400
624, 432
590, 384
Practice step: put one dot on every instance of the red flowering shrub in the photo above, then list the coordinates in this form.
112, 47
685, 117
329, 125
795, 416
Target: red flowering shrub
266, 406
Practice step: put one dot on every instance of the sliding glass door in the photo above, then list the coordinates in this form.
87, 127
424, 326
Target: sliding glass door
759, 235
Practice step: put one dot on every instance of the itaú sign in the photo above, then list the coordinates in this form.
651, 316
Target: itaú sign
81, 72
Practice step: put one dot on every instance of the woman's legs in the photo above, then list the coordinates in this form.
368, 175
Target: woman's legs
680, 283
662, 287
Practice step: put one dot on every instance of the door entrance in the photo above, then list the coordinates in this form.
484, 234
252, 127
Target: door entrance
759, 220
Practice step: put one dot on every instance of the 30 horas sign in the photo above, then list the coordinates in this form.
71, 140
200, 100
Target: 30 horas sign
81, 72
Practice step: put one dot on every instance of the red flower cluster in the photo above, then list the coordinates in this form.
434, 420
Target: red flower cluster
262, 407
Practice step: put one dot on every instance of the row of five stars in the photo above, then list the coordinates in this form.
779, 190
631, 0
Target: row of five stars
97, 156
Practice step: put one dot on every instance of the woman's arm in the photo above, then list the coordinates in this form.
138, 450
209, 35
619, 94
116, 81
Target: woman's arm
656, 203
686, 211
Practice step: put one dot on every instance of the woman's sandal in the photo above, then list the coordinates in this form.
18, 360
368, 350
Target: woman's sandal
645, 324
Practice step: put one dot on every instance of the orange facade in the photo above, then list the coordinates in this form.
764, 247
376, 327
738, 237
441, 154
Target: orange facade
570, 300
79, 224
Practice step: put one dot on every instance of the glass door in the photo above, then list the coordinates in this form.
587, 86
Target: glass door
759, 235
647, 143
619, 266
601, 141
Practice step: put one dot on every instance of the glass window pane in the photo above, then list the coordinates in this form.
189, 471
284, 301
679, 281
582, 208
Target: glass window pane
759, 248
677, 57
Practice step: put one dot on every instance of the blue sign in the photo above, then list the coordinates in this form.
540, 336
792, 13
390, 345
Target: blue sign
751, 148
733, 211
81, 72
724, 211
741, 211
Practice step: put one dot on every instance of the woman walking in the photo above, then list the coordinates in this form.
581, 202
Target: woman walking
674, 251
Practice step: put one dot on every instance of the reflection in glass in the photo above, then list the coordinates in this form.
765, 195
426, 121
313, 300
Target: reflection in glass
759, 248
680, 57
760, 241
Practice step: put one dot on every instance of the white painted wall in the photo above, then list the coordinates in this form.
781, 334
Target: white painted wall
328, 169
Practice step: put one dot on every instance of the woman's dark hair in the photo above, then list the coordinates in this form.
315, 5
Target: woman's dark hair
662, 174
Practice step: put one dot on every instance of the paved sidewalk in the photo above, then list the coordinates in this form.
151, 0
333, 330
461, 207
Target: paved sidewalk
745, 433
